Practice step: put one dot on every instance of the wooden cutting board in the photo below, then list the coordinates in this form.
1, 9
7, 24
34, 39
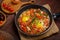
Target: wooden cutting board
54, 29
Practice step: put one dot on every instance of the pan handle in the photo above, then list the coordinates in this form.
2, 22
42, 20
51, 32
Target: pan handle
30, 1
56, 15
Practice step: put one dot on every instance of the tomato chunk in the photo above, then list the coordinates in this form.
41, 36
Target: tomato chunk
38, 15
23, 28
32, 12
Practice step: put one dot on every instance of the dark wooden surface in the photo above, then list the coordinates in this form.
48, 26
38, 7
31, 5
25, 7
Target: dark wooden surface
11, 28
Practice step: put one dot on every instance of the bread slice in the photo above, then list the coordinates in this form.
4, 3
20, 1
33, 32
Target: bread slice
14, 6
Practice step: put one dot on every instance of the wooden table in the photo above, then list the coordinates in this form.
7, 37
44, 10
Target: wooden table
11, 28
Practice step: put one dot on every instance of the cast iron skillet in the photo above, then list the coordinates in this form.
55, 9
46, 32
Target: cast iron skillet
34, 6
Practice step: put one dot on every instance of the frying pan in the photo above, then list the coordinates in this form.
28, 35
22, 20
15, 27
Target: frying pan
51, 16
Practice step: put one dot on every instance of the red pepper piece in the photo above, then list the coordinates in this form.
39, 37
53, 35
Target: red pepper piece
32, 32
38, 30
8, 8
34, 26
11, 9
32, 12
23, 28
4, 5
38, 15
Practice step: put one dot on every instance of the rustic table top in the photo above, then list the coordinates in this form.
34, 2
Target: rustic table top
11, 28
